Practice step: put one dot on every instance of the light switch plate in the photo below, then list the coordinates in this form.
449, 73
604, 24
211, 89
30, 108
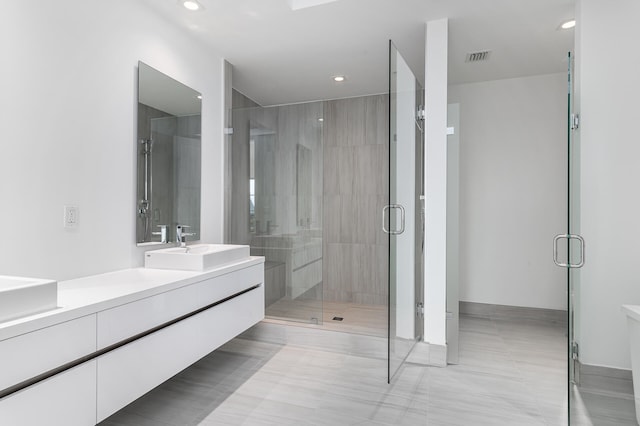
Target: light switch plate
71, 216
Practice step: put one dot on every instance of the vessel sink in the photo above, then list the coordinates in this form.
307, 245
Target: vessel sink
21, 297
197, 257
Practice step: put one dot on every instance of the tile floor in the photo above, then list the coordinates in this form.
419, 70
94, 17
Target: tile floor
360, 319
511, 372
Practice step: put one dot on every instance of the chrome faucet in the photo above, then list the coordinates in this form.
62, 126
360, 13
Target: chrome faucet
181, 236
162, 233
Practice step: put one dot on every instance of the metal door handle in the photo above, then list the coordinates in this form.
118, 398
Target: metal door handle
569, 237
384, 223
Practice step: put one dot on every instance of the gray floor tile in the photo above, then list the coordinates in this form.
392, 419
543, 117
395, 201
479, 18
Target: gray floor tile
511, 372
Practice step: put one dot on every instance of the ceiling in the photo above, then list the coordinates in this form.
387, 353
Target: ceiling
281, 55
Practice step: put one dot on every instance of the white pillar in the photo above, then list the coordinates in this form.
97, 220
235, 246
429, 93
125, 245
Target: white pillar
435, 284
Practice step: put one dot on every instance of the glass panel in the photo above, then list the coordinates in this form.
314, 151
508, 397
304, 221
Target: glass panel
573, 146
574, 217
453, 233
401, 211
276, 200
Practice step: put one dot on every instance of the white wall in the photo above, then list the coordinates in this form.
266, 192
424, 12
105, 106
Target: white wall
68, 113
513, 181
609, 89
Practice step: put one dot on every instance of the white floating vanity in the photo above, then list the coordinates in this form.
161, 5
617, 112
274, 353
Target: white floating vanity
116, 336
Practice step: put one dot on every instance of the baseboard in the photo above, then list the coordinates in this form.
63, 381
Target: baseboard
605, 380
487, 310
428, 354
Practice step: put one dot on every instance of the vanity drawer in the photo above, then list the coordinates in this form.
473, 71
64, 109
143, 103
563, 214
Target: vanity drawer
28, 355
122, 322
129, 372
66, 399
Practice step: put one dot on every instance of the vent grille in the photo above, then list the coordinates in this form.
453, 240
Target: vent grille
478, 56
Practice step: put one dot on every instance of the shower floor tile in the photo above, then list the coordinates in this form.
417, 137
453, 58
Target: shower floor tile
369, 320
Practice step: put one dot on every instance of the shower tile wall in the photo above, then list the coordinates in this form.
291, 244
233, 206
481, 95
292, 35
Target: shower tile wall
356, 188
237, 223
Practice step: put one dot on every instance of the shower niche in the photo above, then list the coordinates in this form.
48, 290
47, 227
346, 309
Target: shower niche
168, 150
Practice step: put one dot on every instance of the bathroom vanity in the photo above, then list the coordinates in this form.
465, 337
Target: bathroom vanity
118, 335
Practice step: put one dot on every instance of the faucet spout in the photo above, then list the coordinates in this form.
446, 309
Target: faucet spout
181, 236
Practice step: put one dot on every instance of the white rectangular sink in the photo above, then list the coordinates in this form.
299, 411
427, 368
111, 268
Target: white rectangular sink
197, 257
21, 297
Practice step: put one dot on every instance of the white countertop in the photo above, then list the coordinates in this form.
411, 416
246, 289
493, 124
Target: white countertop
88, 295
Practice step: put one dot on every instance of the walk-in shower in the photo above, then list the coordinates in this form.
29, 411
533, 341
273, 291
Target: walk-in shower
308, 182
331, 194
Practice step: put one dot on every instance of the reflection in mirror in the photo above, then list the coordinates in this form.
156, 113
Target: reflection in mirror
262, 179
168, 147
303, 186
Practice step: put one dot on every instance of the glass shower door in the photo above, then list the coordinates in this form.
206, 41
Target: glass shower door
401, 216
575, 254
570, 254
277, 185
574, 229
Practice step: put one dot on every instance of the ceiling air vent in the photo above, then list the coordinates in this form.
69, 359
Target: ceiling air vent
478, 56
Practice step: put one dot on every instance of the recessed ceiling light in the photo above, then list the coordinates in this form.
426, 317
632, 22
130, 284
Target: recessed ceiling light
339, 78
320, 119
568, 24
191, 4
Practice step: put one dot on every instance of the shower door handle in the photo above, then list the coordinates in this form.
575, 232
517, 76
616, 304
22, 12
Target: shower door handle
384, 216
568, 237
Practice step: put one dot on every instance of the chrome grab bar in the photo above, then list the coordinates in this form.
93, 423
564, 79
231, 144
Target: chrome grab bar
569, 237
384, 222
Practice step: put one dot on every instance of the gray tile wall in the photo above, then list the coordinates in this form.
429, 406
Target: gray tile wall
237, 220
356, 188
349, 186
288, 193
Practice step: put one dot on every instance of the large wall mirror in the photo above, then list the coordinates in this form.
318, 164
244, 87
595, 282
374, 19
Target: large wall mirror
168, 153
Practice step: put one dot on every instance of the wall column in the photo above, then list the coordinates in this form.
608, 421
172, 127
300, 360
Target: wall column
435, 276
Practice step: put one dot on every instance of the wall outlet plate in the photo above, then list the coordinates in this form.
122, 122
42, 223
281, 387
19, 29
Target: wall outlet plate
70, 216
